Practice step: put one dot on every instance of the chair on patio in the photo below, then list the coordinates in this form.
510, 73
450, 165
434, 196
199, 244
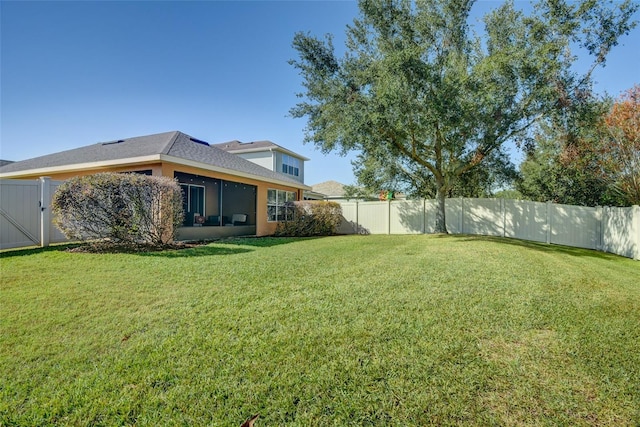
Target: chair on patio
239, 219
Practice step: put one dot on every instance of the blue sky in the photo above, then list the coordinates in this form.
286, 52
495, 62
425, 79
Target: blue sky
76, 73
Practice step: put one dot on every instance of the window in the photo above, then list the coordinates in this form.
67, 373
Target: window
277, 209
290, 165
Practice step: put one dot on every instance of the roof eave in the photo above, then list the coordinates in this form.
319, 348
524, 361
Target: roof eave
212, 168
154, 158
265, 149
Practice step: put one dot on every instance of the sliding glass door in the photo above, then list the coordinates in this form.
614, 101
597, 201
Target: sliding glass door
193, 202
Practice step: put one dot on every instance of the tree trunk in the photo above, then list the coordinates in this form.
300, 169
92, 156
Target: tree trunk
441, 219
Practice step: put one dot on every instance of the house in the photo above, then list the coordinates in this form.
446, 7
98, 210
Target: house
335, 191
224, 194
269, 155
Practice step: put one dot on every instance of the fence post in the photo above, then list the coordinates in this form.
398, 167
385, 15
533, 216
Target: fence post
424, 216
357, 218
548, 224
601, 222
45, 211
503, 214
461, 215
389, 216
635, 230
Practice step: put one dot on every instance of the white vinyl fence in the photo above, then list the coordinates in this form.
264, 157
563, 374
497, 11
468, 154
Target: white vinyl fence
615, 230
25, 213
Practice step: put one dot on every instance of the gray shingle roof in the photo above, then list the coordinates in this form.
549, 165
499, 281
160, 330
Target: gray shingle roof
329, 188
176, 144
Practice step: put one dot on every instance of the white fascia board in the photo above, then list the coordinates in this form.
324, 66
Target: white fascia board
84, 166
265, 149
205, 166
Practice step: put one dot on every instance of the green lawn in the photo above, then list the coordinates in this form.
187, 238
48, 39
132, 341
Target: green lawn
349, 330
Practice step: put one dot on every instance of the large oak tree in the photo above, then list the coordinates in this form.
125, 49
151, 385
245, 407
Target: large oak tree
419, 90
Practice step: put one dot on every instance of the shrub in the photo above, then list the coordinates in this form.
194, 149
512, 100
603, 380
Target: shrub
119, 208
312, 218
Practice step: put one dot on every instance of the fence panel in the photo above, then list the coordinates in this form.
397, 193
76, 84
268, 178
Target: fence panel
576, 226
373, 217
25, 213
525, 220
406, 217
430, 209
349, 223
19, 213
483, 217
454, 215
621, 231
55, 235
615, 230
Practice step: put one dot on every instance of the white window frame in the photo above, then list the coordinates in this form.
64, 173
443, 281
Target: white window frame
280, 212
290, 165
188, 201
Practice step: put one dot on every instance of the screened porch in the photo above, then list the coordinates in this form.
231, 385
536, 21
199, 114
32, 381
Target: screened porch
216, 207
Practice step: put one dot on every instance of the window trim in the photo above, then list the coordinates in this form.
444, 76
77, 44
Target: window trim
281, 199
290, 165
188, 194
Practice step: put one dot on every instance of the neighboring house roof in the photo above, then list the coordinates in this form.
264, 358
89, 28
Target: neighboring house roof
175, 147
237, 147
5, 162
329, 188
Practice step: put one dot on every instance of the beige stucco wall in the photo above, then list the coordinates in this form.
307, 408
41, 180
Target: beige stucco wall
263, 227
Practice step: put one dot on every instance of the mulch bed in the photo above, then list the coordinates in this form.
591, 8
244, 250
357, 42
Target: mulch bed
111, 247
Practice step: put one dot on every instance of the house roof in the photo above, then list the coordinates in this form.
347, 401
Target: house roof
238, 147
176, 147
329, 188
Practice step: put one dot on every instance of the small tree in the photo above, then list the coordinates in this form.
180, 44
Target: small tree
312, 218
622, 153
120, 208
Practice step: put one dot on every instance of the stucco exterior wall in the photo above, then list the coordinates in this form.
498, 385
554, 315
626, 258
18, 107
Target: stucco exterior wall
263, 227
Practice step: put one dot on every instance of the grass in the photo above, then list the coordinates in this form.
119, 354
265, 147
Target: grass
353, 330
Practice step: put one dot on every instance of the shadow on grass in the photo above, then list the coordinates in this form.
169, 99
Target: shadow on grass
199, 251
32, 250
539, 246
229, 246
264, 242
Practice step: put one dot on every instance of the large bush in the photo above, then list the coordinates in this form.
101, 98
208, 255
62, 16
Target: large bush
312, 218
119, 208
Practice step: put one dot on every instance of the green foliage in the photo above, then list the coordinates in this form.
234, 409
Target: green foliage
119, 208
420, 94
312, 218
342, 331
358, 192
571, 162
621, 154
548, 174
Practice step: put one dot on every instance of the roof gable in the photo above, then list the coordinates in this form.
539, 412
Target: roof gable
238, 147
